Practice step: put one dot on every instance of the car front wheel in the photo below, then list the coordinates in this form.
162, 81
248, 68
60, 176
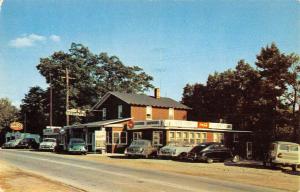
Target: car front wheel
209, 160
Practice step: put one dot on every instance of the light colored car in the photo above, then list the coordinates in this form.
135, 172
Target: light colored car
12, 143
48, 144
141, 148
77, 145
284, 154
174, 150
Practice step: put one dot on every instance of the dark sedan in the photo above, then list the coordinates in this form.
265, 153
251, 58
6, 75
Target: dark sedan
28, 143
211, 152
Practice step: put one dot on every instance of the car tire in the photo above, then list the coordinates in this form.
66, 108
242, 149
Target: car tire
209, 160
294, 167
181, 156
235, 158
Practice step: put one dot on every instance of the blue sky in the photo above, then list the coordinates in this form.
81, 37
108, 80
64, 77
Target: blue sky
175, 41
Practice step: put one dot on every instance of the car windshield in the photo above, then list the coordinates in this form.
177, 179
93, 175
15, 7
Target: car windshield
199, 147
139, 142
178, 144
49, 140
77, 141
16, 140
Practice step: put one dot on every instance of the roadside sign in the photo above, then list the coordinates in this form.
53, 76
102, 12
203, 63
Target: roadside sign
16, 126
76, 112
99, 140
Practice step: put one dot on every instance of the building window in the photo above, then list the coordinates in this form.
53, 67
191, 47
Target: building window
157, 138
137, 135
235, 137
120, 138
198, 138
178, 136
148, 113
171, 136
203, 137
185, 137
104, 114
120, 111
192, 138
171, 113
219, 137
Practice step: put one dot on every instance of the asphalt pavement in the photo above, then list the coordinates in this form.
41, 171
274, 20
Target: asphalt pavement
98, 177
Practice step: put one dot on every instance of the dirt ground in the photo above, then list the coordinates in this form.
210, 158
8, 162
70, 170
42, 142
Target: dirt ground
248, 172
16, 180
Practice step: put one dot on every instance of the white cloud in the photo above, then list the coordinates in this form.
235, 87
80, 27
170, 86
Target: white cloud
27, 40
1, 2
55, 38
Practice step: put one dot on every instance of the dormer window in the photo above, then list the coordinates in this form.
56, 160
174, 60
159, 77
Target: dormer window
120, 111
148, 113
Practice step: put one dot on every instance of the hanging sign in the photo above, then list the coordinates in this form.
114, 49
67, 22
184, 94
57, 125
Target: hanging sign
76, 112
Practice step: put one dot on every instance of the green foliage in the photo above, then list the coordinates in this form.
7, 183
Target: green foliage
91, 76
263, 100
8, 113
33, 110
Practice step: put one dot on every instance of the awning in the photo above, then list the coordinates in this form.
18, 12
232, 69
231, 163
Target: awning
96, 124
191, 129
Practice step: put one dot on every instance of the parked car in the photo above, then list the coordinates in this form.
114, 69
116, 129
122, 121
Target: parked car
283, 154
176, 150
210, 152
77, 146
27, 143
140, 148
11, 144
48, 144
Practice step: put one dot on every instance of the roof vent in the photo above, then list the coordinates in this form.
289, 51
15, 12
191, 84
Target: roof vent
157, 93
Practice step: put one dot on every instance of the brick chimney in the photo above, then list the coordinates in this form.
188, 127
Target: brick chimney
157, 93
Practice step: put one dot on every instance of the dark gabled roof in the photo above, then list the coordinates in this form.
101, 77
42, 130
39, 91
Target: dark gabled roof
144, 100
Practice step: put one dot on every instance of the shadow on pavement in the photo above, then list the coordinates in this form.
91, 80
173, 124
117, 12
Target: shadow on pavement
259, 165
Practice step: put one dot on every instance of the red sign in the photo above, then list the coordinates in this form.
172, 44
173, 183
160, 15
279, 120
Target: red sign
16, 126
203, 124
130, 124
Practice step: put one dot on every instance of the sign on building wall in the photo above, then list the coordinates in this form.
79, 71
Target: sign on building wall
99, 140
203, 125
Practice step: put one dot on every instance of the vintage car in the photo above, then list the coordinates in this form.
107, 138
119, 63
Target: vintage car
140, 148
77, 146
210, 152
283, 154
174, 150
48, 144
11, 144
27, 143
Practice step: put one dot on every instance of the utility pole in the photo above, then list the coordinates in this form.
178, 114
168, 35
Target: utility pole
50, 112
67, 95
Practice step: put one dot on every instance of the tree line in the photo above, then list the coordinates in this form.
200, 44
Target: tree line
263, 99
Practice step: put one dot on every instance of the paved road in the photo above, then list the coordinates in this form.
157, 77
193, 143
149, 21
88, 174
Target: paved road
95, 176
